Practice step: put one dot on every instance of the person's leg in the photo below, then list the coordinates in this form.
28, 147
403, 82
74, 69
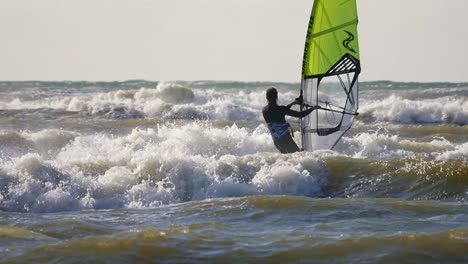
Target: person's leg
291, 145
279, 146
286, 145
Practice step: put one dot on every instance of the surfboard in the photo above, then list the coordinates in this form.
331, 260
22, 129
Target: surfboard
330, 71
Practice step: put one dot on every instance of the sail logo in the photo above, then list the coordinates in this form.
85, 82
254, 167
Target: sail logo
347, 41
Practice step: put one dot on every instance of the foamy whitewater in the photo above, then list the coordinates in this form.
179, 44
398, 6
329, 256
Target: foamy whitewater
73, 152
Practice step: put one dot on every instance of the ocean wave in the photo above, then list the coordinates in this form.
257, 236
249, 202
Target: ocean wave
166, 101
410, 85
208, 84
46, 142
153, 167
267, 228
73, 85
60, 171
448, 110
417, 177
382, 144
206, 101
32, 184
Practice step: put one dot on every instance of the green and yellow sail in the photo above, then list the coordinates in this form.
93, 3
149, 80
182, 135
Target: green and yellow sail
330, 71
332, 33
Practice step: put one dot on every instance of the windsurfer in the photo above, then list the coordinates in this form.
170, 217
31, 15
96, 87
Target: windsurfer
274, 116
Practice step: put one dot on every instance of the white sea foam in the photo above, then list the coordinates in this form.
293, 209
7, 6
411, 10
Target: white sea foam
170, 164
167, 100
459, 152
149, 167
382, 145
451, 110
174, 101
47, 142
373, 145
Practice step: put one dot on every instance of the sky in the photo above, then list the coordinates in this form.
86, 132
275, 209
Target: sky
241, 40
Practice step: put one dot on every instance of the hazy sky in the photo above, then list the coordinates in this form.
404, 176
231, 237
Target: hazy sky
250, 40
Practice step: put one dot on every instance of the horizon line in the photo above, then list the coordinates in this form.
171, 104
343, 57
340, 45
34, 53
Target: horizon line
205, 80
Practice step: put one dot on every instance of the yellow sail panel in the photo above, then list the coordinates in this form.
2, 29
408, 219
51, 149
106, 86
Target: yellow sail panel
332, 34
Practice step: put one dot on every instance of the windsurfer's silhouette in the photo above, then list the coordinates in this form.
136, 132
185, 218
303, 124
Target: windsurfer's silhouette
274, 116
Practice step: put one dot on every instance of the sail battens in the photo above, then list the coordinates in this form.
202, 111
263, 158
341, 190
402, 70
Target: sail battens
346, 65
355, 21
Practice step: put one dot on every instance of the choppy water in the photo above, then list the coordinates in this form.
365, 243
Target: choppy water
187, 172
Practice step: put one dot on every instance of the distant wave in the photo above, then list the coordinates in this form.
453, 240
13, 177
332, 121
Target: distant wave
136, 84
130, 84
214, 101
411, 85
449, 110
165, 101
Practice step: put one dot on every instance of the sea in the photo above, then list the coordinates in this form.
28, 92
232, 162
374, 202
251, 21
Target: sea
186, 172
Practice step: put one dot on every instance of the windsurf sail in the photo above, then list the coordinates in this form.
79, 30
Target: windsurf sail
330, 73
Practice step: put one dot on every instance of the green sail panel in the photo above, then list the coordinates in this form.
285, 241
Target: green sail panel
330, 73
332, 33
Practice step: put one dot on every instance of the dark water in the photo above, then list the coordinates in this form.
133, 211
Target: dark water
252, 229
186, 172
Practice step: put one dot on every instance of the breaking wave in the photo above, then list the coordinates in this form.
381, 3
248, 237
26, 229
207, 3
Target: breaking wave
55, 170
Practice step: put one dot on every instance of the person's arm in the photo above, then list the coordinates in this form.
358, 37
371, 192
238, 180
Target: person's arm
301, 114
296, 101
291, 104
